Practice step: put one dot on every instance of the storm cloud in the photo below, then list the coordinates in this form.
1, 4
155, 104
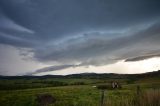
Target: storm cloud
83, 32
142, 57
51, 68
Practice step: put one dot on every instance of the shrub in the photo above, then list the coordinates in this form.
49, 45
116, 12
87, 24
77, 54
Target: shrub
103, 87
78, 83
45, 99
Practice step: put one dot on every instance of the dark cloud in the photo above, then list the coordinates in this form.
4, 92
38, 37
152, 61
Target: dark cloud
142, 58
85, 32
51, 68
55, 19
101, 49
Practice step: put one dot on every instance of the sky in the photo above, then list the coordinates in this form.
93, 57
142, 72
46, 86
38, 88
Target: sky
39, 37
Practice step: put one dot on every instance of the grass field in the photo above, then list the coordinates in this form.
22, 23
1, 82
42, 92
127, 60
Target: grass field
79, 92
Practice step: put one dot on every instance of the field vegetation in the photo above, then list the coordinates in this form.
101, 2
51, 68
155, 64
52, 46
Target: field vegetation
85, 90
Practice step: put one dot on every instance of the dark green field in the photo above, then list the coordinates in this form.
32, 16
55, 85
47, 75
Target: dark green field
78, 90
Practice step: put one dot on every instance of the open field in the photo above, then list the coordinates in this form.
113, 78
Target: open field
80, 92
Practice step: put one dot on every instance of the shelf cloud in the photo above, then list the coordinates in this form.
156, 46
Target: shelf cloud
64, 33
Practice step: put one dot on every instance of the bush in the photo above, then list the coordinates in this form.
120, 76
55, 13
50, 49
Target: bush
45, 99
78, 83
103, 87
131, 81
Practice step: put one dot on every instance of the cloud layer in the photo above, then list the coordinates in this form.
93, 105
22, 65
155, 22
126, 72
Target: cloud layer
81, 32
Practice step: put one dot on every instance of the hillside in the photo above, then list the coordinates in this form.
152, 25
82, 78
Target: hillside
90, 75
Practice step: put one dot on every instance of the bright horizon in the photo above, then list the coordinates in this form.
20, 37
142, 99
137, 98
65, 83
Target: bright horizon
120, 67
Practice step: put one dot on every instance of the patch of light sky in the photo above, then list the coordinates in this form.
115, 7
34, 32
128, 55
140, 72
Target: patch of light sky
119, 67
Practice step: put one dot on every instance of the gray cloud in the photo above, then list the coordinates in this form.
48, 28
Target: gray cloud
54, 19
85, 32
139, 58
101, 49
51, 68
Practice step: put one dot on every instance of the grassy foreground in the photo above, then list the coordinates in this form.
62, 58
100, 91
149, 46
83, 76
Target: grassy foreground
80, 90
85, 95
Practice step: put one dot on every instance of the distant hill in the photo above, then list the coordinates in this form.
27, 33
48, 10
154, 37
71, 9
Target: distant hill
90, 75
